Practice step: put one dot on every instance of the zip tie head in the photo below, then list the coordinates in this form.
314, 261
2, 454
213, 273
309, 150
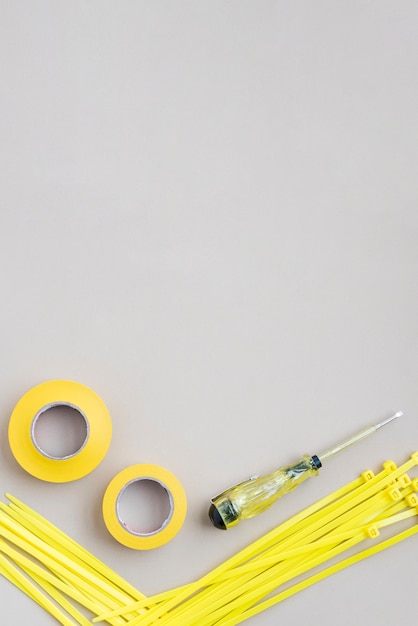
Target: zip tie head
372, 532
390, 466
404, 481
367, 475
395, 494
411, 500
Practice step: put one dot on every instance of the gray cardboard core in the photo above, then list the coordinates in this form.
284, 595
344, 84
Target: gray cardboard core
59, 431
144, 506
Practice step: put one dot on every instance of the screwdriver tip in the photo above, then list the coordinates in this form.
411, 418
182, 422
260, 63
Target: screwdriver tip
389, 419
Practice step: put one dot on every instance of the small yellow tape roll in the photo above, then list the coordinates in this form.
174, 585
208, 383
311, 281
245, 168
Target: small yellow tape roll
171, 525
22, 431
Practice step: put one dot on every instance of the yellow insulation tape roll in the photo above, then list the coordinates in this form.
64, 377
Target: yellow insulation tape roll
173, 521
33, 404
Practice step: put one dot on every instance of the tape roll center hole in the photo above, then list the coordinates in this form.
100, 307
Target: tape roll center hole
59, 431
144, 506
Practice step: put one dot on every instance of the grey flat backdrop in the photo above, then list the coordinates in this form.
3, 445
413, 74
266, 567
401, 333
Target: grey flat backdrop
208, 214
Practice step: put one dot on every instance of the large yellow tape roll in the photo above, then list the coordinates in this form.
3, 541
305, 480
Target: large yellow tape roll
46, 396
171, 524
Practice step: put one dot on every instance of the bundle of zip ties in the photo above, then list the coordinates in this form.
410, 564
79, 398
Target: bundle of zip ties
271, 569
54, 570
239, 589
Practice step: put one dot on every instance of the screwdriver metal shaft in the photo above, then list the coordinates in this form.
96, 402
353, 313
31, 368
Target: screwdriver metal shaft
358, 437
257, 494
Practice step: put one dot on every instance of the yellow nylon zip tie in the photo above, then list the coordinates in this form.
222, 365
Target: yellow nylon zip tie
80, 619
267, 561
74, 548
36, 571
210, 595
35, 548
20, 518
96, 598
321, 576
15, 529
225, 603
28, 587
145, 603
8, 574
66, 546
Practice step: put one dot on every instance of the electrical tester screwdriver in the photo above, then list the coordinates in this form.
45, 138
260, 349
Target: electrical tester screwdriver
255, 495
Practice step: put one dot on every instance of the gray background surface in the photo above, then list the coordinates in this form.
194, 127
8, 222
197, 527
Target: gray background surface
208, 214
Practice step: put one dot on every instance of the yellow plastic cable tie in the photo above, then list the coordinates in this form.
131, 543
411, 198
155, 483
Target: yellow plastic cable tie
74, 548
371, 531
332, 522
60, 600
25, 585
39, 573
264, 562
143, 604
9, 576
35, 570
68, 554
258, 594
66, 546
395, 519
211, 612
222, 597
62, 566
43, 533
321, 576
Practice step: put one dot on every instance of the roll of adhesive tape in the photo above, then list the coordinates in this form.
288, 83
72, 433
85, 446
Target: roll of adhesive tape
24, 419
172, 523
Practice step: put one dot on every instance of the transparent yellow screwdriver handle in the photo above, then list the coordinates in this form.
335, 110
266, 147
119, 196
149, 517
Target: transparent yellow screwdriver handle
257, 494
